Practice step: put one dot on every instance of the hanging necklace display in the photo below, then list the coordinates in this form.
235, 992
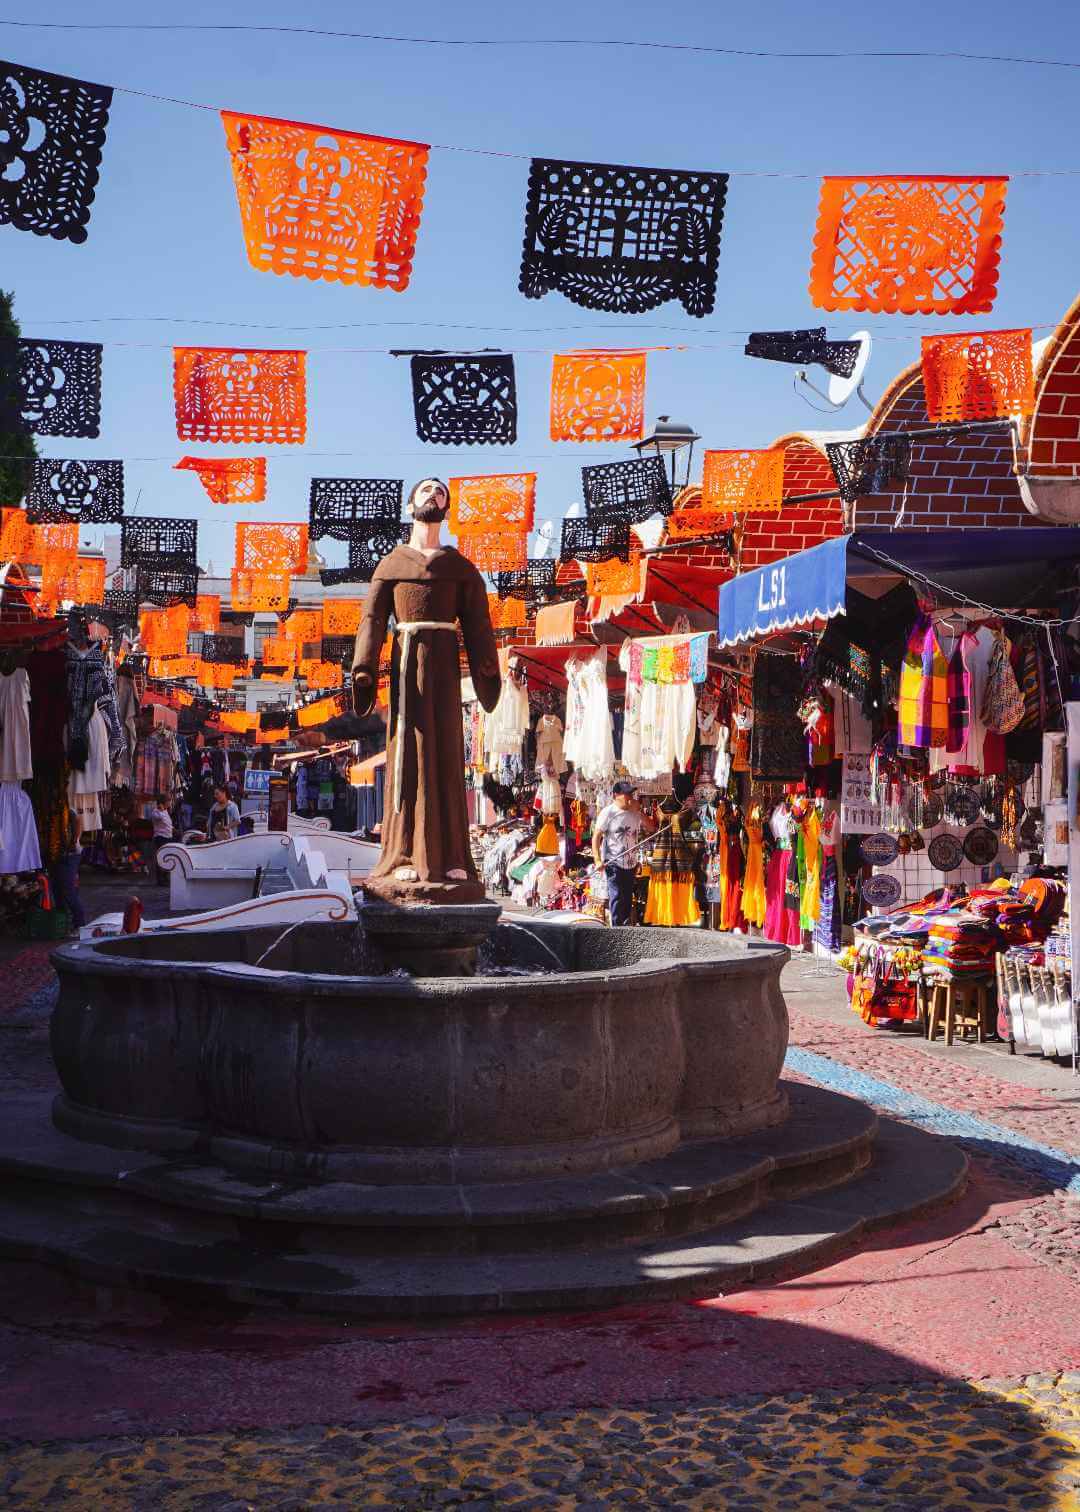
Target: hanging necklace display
923, 810
945, 852
980, 845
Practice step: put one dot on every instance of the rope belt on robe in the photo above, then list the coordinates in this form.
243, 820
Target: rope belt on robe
407, 629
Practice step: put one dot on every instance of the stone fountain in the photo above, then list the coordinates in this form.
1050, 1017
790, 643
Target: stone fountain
435, 1109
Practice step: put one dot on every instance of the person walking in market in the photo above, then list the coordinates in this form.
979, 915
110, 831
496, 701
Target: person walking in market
614, 842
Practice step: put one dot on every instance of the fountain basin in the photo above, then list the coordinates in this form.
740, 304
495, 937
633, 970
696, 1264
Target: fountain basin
624, 1044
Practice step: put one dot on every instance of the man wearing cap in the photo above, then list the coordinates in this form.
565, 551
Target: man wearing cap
614, 841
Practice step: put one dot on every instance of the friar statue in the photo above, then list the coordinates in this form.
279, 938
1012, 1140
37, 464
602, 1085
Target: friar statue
427, 590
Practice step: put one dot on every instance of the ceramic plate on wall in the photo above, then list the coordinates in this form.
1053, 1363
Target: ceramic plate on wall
980, 845
945, 852
878, 850
881, 891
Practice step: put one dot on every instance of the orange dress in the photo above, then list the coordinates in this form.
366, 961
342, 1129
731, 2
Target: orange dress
753, 892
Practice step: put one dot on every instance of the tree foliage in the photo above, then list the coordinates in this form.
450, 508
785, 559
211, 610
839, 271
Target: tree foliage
17, 447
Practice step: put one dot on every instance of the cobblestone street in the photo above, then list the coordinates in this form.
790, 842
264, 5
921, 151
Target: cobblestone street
936, 1368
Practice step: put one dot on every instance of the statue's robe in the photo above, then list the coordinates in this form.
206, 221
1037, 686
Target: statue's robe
425, 826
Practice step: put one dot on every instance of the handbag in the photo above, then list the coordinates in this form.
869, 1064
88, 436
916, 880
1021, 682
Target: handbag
883, 997
1003, 703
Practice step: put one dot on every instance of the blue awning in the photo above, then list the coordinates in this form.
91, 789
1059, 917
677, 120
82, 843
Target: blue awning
997, 567
811, 585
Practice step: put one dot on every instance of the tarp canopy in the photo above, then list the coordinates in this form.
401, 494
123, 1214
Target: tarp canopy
1005, 569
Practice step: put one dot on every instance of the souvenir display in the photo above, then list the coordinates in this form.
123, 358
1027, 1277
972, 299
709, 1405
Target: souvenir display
980, 846
945, 852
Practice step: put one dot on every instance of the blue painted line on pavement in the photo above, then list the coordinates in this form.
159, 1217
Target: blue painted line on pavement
1061, 1171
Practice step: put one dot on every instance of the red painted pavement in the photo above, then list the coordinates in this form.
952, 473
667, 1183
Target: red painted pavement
943, 1296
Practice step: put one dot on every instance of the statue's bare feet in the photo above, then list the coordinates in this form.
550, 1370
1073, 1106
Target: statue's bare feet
406, 874
457, 875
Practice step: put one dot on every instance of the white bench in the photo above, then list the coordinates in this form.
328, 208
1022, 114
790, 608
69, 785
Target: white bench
306, 887
225, 871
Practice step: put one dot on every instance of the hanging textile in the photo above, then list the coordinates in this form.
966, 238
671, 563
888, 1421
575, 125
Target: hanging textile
229, 480
804, 348
53, 135
157, 543
464, 400
753, 886
743, 482
630, 491
924, 698
336, 505
259, 592
495, 550
311, 715
958, 693
870, 466
164, 632
56, 386
506, 613
271, 548
74, 489
908, 244
594, 540
70, 579
622, 239
598, 396
535, 580
206, 615
588, 740
980, 375
493, 501
239, 396
777, 739
316, 202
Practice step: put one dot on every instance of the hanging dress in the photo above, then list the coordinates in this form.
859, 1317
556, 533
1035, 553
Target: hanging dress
672, 900
15, 762
827, 929
732, 915
753, 889
782, 883
810, 900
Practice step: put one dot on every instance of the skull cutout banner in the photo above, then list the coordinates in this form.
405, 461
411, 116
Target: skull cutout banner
804, 348
337, 505
74, 489
242, 396
52, 131
167, 585
870, 466
981, 375
491, 502
369, 543
595, 540
54, 386
534, 581
908, 245
272, 548
622, 239
743, 482
320, 203
158, 543
464, 400
630, 491
229, 480
598, 396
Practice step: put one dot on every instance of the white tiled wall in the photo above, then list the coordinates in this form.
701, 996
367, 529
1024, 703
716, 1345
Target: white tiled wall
917, 876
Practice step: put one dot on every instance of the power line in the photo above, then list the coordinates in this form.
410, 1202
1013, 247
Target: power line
645, 44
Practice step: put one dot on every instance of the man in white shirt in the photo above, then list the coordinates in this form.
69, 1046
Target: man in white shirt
614, 842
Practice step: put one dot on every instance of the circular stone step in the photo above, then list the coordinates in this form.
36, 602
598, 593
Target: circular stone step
119, 1218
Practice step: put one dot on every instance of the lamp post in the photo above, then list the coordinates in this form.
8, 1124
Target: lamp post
672, 437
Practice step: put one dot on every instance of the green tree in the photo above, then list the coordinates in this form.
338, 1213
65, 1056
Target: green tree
17, 448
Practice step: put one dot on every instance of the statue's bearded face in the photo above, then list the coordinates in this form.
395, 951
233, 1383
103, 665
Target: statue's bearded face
430, 501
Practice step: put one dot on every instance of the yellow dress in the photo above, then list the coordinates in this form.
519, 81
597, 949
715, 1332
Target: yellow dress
810, 906
753, 894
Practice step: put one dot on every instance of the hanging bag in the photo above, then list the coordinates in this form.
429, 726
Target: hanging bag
1003, 702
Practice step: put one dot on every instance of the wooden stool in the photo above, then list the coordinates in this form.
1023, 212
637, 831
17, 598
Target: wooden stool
958, 1004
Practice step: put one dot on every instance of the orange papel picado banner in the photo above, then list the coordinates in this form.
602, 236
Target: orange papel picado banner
243, 396
271, 548
743, 482
492, 501
316, 202
259, 592
908, 244
598, 396
979, 375
229, 480
342, 616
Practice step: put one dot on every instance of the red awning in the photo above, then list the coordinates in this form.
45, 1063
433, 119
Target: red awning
695, 589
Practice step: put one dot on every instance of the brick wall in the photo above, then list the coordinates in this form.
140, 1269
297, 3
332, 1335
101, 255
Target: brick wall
967, 483
767, 538
1052, 432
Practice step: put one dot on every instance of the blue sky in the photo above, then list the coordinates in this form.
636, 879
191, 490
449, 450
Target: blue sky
165, 240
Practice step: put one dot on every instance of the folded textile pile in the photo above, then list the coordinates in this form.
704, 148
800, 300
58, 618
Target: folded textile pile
961, 944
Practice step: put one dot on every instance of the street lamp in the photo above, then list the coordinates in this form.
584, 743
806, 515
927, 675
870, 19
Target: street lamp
671, 436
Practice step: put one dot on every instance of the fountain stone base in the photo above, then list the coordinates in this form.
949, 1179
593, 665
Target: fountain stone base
429, 940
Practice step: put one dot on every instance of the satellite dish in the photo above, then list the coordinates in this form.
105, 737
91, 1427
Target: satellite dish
840, 390
545, 539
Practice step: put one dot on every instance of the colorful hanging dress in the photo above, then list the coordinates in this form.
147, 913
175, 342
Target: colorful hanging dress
672, 900
753, 892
